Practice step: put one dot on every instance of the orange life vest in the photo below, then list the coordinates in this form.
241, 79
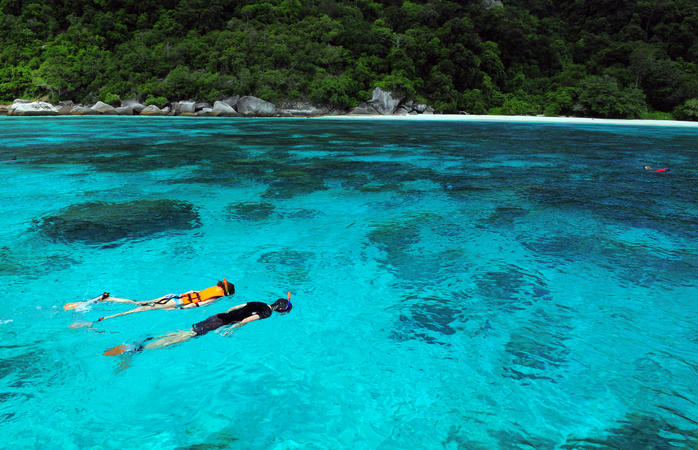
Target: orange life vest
201, 296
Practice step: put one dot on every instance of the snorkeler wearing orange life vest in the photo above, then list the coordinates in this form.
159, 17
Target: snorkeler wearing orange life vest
188, 299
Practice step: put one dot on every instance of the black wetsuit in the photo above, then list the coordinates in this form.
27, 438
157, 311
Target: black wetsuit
261, 309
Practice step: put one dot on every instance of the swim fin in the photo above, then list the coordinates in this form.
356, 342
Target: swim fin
119, 349
82, 305
127, 348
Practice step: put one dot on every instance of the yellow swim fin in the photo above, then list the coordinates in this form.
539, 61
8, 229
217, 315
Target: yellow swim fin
119, 349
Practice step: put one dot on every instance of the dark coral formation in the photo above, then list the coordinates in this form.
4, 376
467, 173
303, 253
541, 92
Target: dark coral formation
290, 183
640, 430
430, 320
250, 211
291, 265
504, 216
536, 352
511, 289
637, 264
303, 214
106, 222
395, 238
10, 264
399, 241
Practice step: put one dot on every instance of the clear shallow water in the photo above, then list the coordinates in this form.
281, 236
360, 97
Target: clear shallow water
457, 285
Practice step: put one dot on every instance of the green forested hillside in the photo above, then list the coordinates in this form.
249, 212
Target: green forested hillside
603, 58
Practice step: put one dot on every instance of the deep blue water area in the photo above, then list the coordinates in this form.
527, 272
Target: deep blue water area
455, 284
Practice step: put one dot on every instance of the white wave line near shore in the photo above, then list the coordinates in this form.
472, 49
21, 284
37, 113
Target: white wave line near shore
520, 119
407, 118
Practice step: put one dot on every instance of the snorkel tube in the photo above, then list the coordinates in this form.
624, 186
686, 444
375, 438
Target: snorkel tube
288, 305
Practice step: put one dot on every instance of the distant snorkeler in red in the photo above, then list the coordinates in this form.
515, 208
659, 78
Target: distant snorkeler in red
651, 169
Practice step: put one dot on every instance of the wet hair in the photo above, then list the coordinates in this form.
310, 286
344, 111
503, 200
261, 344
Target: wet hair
281, 306
228, 286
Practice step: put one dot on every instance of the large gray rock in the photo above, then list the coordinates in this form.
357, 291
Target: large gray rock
103, 108
231, 101
302, 109
4, 109
198, 106
364, 109
134, 104
124, 111
384, 102
64, 107
223, 109
152, 110
82, 110
33, 109
184, 107
253, 106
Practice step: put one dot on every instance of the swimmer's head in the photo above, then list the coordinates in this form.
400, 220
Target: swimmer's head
228, 287
281, 306
647, 167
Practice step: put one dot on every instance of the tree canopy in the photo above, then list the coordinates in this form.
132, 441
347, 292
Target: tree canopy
600, 58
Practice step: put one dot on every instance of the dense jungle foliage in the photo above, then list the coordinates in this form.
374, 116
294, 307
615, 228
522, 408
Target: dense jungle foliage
602, 58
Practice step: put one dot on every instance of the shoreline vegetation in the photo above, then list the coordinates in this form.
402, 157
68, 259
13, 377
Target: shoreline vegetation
634, 59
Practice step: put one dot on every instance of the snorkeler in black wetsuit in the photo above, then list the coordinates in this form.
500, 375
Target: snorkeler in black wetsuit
237, 315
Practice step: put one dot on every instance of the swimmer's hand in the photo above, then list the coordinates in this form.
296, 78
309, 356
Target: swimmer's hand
227, 330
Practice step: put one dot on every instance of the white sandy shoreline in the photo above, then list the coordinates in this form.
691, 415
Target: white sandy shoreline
408, 118
519, 119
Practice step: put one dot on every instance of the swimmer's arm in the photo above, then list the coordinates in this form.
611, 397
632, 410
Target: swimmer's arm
236, 307
245, 321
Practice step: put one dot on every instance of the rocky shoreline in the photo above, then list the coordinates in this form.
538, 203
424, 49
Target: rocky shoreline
381, 103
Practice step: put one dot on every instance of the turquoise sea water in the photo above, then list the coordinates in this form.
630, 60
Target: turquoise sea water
455, 285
